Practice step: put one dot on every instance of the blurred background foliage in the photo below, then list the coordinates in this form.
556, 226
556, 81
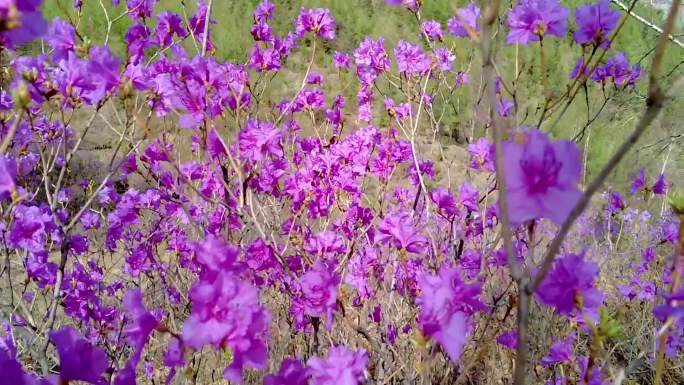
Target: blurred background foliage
662, 144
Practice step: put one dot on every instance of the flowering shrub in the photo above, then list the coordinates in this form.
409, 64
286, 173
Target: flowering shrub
315, 238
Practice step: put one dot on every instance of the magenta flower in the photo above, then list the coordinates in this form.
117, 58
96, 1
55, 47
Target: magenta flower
432, 29
140, 9
8, 171
482, 155
319, 292
559, 352
570, 285
341, 60
168, 25
446, 304
11, 372
371, 54
660, 186
264, 11
291, 372
260, 139
639, 182
445, 59
595, 22
264, 60
22, 22
508, 339
541, 177
615, 203
62, 39
78, 359
618, 69
465, 22
341, 367
445, 201
259, 256
398, 230
325, 243
142, 322
530, 20
411, 59
226, 310
319, 21
580, 69
29, 228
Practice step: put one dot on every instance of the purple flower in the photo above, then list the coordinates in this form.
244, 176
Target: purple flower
341, 367
482, 155
594, 377
169, 24
268, 59
541, 177
509, 339
559, 352
580, 69
140, 9
371, 54
341, 60
291, 372
398, 230
411, 59
262, 32
260, 139
570, 285
319, 292
142, 322
530, 20
615, 203
445, 201
672, 308
465, 22
460, 79
78, 359
432, 29
618, 69
325, 243
446, 304
137, 39
22, 22
11, 372
504, 107
445, 59
8, 172
264, 11
226, 312
105, 69
260, 256
61, 38
318, 20
29, 228
595, 22
660, 186
639, 182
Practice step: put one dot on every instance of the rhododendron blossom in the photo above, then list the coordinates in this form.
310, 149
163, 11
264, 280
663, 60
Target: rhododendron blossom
541, 177
281, 193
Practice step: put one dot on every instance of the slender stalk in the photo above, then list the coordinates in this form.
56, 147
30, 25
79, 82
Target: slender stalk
10, 134
206, 28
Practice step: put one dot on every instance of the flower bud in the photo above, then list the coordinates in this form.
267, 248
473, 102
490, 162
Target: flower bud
22, 96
